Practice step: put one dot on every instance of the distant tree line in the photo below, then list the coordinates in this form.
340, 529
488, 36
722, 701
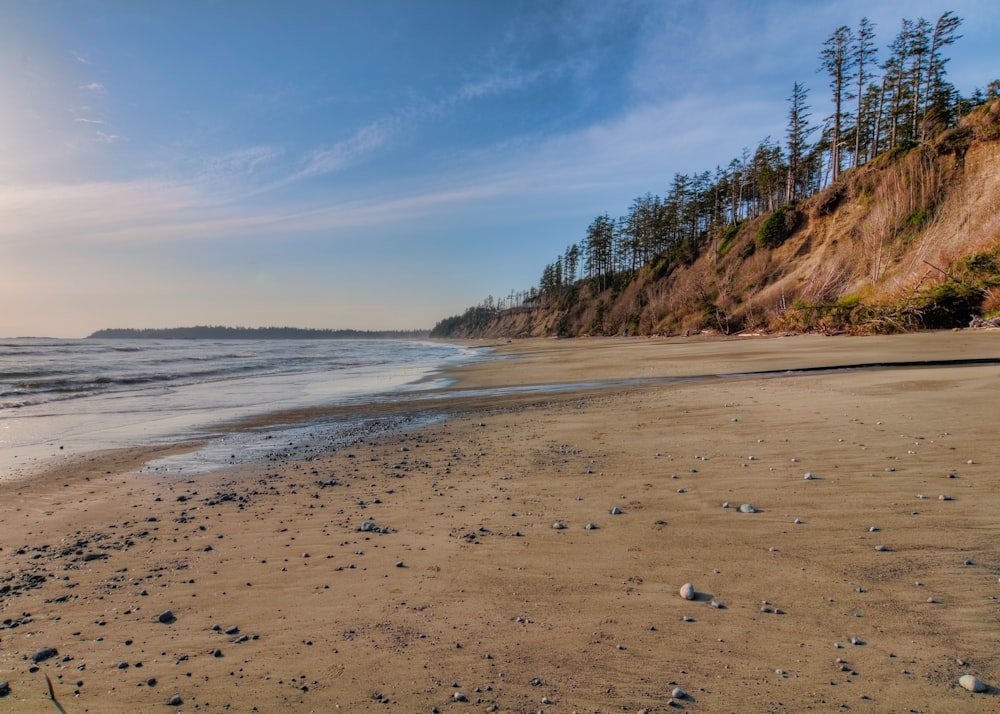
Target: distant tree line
205, 332
879, 107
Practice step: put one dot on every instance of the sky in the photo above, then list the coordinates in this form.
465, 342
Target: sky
376, 164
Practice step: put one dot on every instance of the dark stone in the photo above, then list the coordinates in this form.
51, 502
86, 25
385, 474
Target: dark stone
44, 654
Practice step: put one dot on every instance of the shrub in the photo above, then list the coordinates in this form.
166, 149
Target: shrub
778, 227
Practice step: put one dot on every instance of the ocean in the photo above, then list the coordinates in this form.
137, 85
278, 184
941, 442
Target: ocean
66, 397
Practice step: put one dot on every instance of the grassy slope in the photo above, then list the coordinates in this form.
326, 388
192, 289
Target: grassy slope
909, 241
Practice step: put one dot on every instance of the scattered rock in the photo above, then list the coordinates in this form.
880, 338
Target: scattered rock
973, 684
459, 697
4, 689
882, 548
44, 654
809, 476
592, 526
687, 591
616, 511
678, 693
166, 617
559, 525
748, 508
175, 701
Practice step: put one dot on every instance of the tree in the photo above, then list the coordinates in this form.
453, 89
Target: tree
798, 132
917, 50
863, 52
600, 249
939, 93
838, 63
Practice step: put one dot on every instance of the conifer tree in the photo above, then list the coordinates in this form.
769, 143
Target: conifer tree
863, 53
838, 63
797, 134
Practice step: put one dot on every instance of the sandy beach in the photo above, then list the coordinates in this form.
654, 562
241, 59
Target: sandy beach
420, 571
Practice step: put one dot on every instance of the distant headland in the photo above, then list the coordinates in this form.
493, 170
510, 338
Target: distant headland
211, 332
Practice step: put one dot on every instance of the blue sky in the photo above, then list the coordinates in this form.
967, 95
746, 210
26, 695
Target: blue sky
378, 164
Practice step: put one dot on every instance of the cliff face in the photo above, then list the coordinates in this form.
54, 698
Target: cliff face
909, 241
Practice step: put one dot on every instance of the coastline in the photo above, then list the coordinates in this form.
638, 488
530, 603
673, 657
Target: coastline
470, 585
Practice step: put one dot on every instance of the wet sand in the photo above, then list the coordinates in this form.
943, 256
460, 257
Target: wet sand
464, 587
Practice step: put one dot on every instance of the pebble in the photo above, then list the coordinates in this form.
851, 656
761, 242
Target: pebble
687, 591
459, 697
809, 476
4, 688
678, 693
44, 654
944, 497
748, 508
166, 617
616, 511
592, 526
882, 548
559, 525
973, 684
175, 701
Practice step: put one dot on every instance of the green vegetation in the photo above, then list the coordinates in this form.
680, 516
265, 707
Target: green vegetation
778, 227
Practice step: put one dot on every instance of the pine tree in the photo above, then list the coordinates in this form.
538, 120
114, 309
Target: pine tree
839, 64
938, 97
863, 53
798, 132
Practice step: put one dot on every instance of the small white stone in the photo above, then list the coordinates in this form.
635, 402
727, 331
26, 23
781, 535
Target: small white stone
678, 693
809, 476
687, 591
559, 525
973, 684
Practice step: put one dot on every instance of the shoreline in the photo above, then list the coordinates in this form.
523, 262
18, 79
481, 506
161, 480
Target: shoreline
466, 582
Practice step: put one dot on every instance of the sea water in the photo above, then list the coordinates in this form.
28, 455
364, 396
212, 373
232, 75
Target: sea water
63, 397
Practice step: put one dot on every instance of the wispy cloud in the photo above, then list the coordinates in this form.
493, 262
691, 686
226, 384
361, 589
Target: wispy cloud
94, 87
106, 138
345, 153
